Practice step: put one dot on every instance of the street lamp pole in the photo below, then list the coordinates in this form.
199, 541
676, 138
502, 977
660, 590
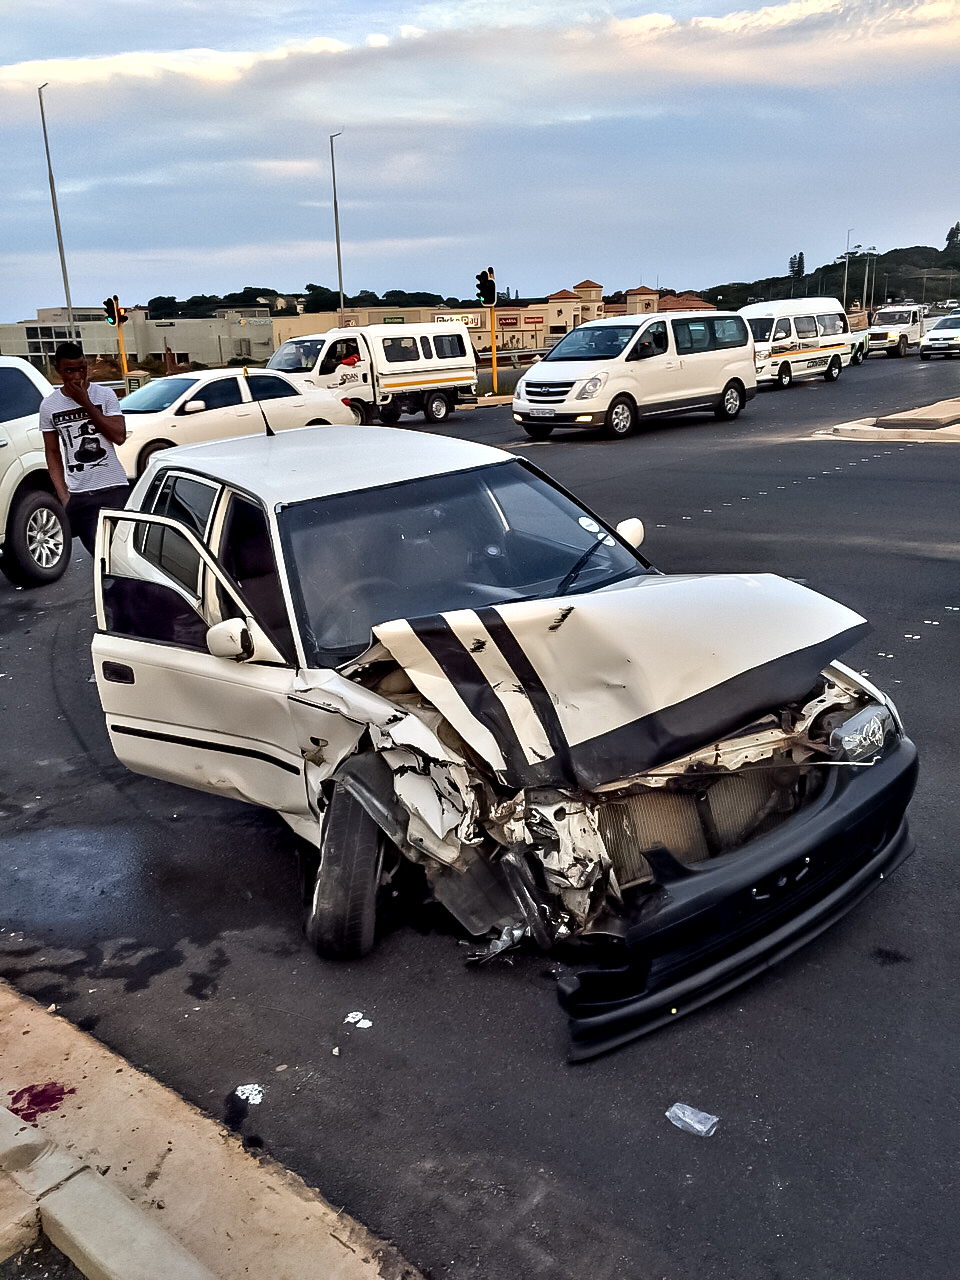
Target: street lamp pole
336, 226
846, 265
56, 215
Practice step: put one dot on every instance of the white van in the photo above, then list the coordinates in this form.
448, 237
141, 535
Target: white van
801, 338
610, 373
387, 369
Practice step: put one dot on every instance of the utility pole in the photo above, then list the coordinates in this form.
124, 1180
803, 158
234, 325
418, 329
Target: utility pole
336, 227
71, 329
846, 265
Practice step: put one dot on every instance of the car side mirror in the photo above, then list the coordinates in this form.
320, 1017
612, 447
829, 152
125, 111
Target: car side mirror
230, 639
631, 531
195, 406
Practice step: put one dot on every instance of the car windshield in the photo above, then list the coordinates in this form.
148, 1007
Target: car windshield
457, 541
760, 328
156, 395
299, 355
951, 322
593, 342
893, 317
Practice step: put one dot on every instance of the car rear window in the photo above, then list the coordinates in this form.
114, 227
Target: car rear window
18, 396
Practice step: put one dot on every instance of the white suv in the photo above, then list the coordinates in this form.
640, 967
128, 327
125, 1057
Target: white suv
34, 534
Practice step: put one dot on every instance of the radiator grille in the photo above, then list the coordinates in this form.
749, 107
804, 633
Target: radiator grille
693, 825
547, 392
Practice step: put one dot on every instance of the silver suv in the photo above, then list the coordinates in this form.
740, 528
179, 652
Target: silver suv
34, 534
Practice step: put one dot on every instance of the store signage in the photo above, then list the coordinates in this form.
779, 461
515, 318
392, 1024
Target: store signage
472, 321
508, 322
392, 320
533, 319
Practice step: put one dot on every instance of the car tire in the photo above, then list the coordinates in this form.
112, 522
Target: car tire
361, 409
621, 419
146, 453
537, 430
732, 400
901, 347
436, 407
389, 414
784, 376
833, 370
342, 910
924, 355
857, 356
37, 546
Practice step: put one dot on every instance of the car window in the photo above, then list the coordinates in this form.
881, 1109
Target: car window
593, 342
247, 555
656, 335
400, 350
449, 346
806, 326
18, 396
829, 325
692, 336
183, 498
729, 331
263, 387
219, 394
425, 347
459, 541
339, 351
157, 395
299, 355
782, 330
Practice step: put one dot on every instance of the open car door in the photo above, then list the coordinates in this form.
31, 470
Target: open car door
174, 709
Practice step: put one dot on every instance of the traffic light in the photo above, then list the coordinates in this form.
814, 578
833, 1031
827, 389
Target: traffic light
487, 288
115, 313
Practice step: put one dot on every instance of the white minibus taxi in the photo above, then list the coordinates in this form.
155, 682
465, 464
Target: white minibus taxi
387, 369
801, 338
610, 373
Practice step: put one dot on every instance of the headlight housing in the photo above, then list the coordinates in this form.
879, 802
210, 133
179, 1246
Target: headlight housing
591, 386
865, 735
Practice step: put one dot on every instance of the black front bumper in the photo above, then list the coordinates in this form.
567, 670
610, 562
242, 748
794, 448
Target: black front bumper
694, 938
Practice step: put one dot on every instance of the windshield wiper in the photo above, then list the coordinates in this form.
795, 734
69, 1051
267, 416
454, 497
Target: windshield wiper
571, 576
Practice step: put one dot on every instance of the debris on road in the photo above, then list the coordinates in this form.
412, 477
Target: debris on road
690, 1120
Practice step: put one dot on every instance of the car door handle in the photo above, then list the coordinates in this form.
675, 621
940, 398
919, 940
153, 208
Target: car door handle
118, 673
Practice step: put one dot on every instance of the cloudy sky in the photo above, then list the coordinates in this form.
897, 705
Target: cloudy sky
685, 141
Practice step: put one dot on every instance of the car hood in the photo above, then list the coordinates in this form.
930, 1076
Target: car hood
580, 691
566, 370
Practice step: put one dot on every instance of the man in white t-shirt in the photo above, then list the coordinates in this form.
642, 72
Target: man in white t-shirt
81, 423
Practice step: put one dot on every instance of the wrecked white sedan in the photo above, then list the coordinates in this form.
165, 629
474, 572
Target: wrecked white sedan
417, 647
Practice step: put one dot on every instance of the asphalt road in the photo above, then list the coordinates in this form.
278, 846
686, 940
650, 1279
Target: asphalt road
165, 922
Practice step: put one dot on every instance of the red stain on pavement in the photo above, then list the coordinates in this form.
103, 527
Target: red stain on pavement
37, 1099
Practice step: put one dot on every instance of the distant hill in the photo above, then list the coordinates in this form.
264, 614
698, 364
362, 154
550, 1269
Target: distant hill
921, 272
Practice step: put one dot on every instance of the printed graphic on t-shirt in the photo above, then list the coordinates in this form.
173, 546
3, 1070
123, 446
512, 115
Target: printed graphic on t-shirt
82, 443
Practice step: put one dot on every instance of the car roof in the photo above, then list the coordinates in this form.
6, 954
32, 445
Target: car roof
641, 318
383, 330
790, 306
315, 462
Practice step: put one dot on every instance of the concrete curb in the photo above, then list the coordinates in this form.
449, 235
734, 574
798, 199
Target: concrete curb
132, 1183
945, 413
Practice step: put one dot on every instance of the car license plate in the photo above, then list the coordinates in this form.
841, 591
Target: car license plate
542, 413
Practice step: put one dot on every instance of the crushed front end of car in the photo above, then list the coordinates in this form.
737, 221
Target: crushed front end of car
677, 777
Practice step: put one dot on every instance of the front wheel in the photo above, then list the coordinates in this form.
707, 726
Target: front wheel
342, 912
537, 430
856, 356
902, 345
833, 370
784, 376
147, 453
37, 547
436, 407
924, 355
731, 401
621, 418
390, 414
